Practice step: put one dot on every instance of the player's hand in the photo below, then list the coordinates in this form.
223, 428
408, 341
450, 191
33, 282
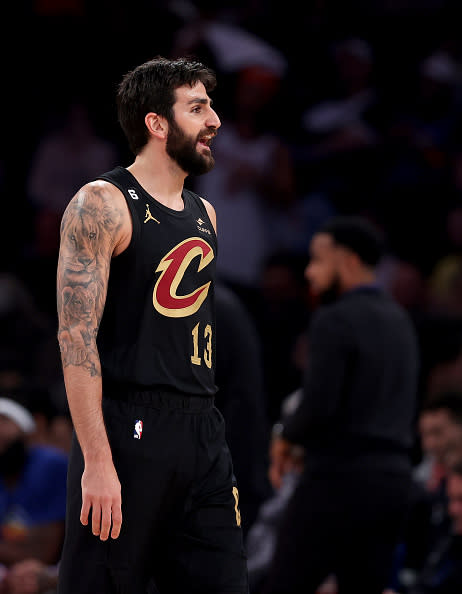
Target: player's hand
101, 493
280, 460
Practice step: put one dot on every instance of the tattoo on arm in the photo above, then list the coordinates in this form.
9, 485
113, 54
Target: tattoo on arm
88, 230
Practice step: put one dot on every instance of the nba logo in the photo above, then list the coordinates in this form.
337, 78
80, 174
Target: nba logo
138, 429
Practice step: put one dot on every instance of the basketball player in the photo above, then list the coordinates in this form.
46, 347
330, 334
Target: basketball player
152, 496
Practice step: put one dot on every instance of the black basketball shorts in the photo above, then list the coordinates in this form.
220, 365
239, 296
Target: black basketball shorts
181, 531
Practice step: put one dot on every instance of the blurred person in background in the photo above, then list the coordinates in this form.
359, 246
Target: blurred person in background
52, 417
440, 433
32, 490
442, 570
30, 576
216, 34
343, 136
343, 122
419, 137
355, 422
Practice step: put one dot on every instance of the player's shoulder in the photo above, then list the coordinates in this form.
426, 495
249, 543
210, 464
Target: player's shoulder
200, 199
210, 211
208, 205
332, 315
98, 191
100, 199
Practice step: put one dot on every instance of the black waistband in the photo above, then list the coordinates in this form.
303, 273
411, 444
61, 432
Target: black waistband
159, 397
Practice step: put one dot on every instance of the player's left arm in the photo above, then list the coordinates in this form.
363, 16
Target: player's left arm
211, 212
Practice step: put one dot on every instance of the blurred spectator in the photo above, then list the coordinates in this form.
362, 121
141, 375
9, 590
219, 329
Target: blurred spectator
343, 129
440, 428
428, 121
30, 577
32, 490
341, 123
442, 571
213, 32
53, 421
241, 399
355, 422
419, 135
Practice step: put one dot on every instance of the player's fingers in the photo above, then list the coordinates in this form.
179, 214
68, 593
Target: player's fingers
116, 520
105, 520
85, 510
96, 519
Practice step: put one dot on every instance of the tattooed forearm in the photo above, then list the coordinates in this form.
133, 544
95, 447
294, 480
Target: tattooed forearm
89, 226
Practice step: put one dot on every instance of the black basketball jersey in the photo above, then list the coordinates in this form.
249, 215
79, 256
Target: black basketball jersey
158, 325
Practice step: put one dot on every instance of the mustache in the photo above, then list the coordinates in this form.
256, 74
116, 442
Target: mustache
209, 131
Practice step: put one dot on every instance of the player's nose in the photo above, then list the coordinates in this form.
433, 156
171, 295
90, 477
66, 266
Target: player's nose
213, 121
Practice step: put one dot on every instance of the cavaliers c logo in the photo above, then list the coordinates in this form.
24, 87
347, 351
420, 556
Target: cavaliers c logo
172, 268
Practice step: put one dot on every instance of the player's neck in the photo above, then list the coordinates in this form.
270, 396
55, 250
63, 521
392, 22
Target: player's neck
358, 279
161, 177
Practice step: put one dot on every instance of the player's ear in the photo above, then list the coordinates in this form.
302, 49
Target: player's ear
156, 124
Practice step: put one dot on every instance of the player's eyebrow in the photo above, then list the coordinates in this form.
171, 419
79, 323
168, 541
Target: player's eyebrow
201, 100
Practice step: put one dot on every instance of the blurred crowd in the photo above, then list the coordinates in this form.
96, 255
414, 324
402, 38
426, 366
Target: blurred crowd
326, 109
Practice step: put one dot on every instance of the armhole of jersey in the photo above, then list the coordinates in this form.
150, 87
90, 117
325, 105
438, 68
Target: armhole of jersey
198, 200
136, 230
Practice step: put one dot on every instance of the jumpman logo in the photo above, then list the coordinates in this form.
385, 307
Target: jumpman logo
149, 216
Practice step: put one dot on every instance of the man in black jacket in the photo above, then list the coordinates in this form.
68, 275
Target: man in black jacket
355, 422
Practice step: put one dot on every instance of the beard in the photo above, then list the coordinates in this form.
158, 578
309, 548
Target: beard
182, 149
330, 293
13, 458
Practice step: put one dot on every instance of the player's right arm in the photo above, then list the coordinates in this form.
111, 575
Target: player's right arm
94, 225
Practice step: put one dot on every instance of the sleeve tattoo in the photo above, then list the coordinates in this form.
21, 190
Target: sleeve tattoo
88, 228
